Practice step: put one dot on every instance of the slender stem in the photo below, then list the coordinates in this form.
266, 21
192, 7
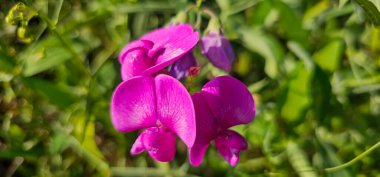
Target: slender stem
198, 21
351, 162
209, 13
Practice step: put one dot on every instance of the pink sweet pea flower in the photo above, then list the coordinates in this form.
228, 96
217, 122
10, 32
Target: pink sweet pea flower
162, 106
222, 103
156, 50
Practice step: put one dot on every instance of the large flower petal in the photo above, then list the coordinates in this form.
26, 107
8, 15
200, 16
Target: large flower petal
229, 143
133, 105
135, 64
229, 101
159, 143
175, 108
206, 129
138, 44
170, 44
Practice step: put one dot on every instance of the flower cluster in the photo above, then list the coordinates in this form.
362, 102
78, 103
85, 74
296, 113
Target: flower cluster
161, 106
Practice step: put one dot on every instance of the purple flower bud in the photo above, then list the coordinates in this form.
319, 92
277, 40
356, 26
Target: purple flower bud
180, 68
218, 50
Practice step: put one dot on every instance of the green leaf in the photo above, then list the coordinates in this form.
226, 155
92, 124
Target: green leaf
56, 94
291, 24
298, 95
315, 11
107, 75
6, 62
262, 10
265, 45
342, 3
83, 142
43, 56
85, 132
372, 12
330, 56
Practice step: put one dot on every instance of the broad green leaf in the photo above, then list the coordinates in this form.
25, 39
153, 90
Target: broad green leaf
56, 94
372, 12
291, 24
298, 95
265, 45
43, 56
330, 56
299, 161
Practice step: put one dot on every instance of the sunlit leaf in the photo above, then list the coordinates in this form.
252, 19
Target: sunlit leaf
298, 95
330, 56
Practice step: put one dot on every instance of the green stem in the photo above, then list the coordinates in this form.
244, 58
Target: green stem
351, 162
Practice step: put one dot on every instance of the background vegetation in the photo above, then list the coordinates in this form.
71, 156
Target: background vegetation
313, 67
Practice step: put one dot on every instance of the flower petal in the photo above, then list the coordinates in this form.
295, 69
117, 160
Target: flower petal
229, 143
133, 105
135, 63
229, 101
138, 146
196, 153
175, 108
180, 68
218, 50
138, 44
159, 143
206, 129
170, 44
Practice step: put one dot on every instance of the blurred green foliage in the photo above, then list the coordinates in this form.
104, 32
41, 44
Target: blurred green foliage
313, 67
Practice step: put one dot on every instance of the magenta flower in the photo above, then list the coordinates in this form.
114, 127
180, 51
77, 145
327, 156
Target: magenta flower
162, 106
156, 50
180, 68
218, 50
222, 103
